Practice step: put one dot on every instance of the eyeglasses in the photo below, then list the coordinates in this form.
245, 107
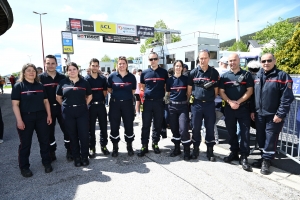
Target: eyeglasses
151, 59
264, 61
122, 57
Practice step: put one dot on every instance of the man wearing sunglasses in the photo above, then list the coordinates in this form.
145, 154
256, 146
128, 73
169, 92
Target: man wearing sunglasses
153, 82
273, 97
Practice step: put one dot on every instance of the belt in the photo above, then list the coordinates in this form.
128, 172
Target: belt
120, 100
202, 100
55, 104
98, 102
154, 99
74, 105
178, 102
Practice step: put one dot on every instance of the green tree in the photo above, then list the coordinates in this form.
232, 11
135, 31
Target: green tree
130, 58
281, 32
158, 37
288, 58
115, 62
238, 46
105, 58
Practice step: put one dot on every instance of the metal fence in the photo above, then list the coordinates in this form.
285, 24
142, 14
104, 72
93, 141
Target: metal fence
289, 143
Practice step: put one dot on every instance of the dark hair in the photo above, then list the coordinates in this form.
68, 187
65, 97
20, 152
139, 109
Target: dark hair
139, 70
26, 66
122, 58
51, 56
170, 71
176, 61
204, 50
74, 65
152, 52
94, 60
39, 68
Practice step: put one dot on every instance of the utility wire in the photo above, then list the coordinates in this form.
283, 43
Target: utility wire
216, 16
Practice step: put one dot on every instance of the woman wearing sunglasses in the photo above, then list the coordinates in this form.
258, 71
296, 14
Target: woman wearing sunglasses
177, 88
32, 111
121, 85
74, 94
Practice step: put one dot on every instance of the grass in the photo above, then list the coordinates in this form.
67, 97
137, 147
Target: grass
7, 86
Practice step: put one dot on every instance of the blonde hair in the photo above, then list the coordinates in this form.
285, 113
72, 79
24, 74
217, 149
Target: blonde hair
26, 66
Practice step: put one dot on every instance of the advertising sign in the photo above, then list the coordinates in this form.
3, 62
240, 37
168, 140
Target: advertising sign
67, 42
145, 31
105, 27
87, 25
121, 39
123, 29
88, 37
59, 66
296, 86
75, 24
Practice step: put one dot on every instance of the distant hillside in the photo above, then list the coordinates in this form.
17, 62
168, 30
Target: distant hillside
247, 37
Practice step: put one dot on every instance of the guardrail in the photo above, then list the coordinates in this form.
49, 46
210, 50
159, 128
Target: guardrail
289, 143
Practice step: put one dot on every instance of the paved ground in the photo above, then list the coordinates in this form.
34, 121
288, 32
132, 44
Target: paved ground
151, 177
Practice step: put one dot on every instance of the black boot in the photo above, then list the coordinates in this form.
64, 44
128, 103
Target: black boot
129, 149
69, 155
143, 150
104, 150
92, 153
265, 167
176, 151
257, 164
245, 164
85, 161
115, 150
210, 154
155, 148
48, 168
26, 173
232, 156
77, 162
186, 155
195, 153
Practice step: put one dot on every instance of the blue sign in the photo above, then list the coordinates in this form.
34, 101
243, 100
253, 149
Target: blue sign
296, 86
67, 42
59, 66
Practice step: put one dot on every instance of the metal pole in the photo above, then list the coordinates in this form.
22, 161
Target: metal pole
42, 40
237, 28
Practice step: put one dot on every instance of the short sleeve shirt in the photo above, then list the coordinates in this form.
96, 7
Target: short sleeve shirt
98, 85
198, 78
30, 95
177, 88
121, 86
233, 89
73, 93
154, 81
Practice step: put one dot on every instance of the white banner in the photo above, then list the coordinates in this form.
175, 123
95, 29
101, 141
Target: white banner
88, 37
123, 29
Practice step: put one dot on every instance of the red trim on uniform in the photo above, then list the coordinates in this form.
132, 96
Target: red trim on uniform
280, 81
154, 79
178, 88
51, 84
75, 88
25, 92
97, 88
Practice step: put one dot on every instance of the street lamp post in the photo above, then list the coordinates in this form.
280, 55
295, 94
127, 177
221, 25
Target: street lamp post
41, 34
29, 56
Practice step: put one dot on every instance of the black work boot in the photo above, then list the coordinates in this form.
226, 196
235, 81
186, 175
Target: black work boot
244, 162
77, 162
265, 167
104, 150
26, 173
143, 150
92, 153
129, 149
195, 153
48, 168
176, 151
85, 161
115, 150
52, 156
155, 148
232, 156
69, 155
210, 154
186, 154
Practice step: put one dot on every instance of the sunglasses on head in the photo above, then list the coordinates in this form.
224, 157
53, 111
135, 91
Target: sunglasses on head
264, 61
151, 59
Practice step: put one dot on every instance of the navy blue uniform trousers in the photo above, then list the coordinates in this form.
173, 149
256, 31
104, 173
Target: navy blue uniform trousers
77, 127
267, 133
179, 119
242, 116
118, 109
34, 121
98, 111
56, 114
203, 110
152, 109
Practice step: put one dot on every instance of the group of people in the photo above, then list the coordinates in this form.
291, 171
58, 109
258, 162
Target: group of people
77, 102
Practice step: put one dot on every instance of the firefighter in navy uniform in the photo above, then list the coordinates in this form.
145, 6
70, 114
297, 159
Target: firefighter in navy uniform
273, 97
97, 107
153, 82
203, 88
121, 85
236, 88
32, 112
74, 94
179, 112
50, 80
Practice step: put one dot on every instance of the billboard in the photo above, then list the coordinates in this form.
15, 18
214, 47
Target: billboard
121, 39
88, 26
59, 66
88, 37
75, 24
296, 86
145, 31
105, 27
67, 42
123, 29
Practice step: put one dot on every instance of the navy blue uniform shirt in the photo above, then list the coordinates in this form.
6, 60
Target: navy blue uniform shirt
50, 85
177, 88
121, 86
233, 90
73, 94
97, 85
30, 95
198, 77
154, 81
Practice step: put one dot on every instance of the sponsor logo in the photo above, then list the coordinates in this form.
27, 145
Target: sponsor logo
88, 37
68, 49
88, 25
126, 30
105, 27
66, 35
75, 24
